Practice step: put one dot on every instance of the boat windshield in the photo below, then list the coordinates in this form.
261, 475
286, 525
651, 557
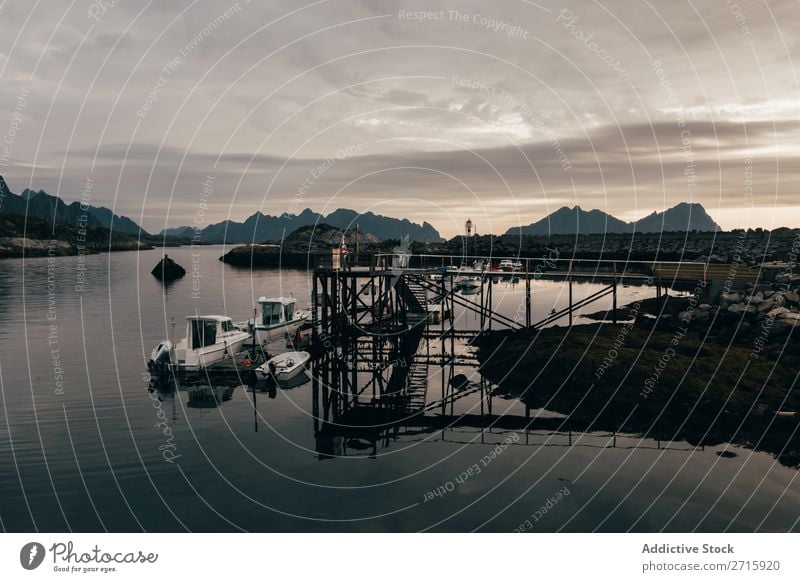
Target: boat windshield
270, 313
204, 333
288, 312
227, 326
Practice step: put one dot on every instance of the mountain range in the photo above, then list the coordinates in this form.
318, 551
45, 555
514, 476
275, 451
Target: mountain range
263, 227
684, 217
46, 207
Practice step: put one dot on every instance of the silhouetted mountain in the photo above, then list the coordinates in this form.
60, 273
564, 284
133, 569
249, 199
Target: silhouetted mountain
262, 227
574, 220
46, 207
683, 217
179, 232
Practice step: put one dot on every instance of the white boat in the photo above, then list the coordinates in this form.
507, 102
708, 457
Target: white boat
506, 265
278, 317
509, 265
209, 339
284, 367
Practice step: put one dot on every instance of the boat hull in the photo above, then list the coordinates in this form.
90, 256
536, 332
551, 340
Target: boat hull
287, 366
195, 360
269, 333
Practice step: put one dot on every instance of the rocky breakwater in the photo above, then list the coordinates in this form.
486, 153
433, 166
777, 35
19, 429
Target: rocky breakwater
303, 248
764, 317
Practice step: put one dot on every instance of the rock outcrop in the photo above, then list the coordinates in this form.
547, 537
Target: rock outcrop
168, 270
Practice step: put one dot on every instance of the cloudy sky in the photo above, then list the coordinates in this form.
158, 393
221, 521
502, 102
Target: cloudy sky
432, 110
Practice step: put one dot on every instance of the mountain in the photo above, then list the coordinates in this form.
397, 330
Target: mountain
683, 217
574, 220
261, 227
52, 208
565, 220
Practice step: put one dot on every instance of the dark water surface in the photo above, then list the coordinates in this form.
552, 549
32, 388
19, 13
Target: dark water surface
82, 443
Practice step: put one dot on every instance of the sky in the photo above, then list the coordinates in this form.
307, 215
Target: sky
193, 111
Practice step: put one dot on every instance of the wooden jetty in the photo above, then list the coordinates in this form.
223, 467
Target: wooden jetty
381, 330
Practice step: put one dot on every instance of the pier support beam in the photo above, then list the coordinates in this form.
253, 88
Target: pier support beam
527, 293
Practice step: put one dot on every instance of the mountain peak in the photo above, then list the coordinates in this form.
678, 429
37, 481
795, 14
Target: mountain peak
685, 216
263, 227
40, 204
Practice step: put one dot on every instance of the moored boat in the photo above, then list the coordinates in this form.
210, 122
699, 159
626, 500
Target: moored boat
284, 367
279, 317
209, 340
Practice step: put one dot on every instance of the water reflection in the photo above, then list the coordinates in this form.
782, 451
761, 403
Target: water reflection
93, 457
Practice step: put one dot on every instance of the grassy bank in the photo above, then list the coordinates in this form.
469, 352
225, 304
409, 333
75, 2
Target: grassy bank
663, 383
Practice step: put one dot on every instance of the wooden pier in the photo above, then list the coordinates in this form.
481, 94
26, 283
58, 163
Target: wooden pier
383, 330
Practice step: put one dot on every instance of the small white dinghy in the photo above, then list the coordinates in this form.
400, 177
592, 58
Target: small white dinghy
284, 367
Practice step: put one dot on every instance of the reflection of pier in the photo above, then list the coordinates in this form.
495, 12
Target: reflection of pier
389, 343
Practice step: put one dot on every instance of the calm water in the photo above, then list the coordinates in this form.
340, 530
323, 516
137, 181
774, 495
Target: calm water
81, 440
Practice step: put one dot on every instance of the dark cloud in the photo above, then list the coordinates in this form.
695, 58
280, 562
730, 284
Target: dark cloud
428, 119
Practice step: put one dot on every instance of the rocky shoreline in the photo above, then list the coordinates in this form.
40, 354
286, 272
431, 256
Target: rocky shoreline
706, 370
22, 236
750, 247
745, 248
18, 247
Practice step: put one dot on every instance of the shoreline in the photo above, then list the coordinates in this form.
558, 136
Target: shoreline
708, 379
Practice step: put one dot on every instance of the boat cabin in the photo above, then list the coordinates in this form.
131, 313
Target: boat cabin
204, 331
277, 310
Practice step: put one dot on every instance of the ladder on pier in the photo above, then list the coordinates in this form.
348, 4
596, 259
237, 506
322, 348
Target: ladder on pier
417, 385
416, 295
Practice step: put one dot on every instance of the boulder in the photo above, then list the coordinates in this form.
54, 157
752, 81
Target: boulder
765, 306
168, 270
742, 308
730, 297
777, 311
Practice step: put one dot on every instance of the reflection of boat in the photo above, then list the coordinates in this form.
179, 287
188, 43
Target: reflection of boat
278, 317
209, 339
207, 395
470, 283
284, 367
